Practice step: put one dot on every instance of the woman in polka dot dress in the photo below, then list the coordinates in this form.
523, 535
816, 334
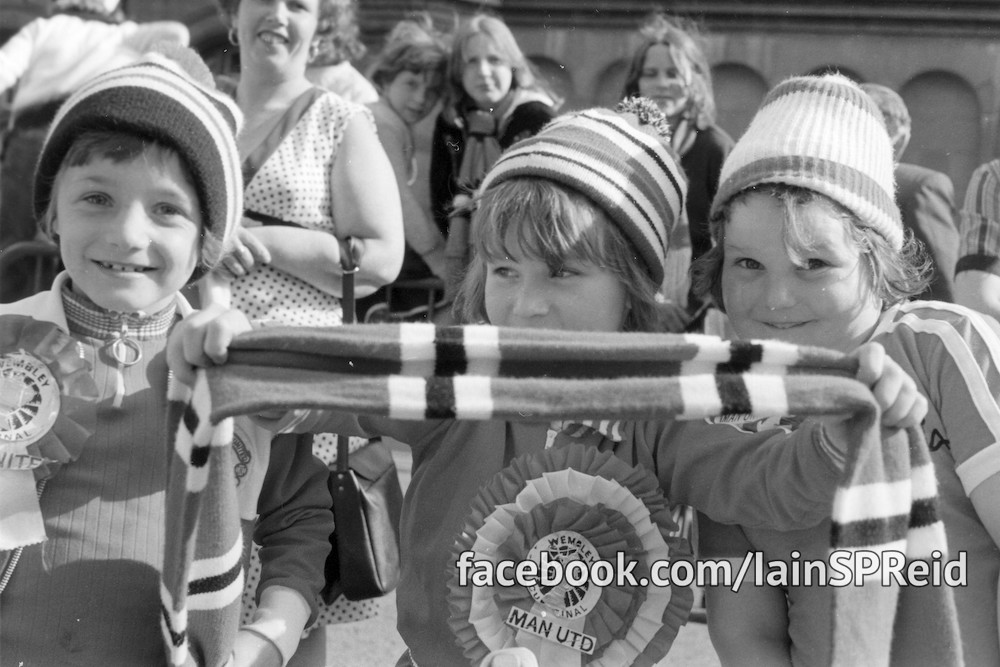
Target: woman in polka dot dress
314, 171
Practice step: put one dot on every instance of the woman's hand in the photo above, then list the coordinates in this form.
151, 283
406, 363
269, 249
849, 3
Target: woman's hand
247, 254
202, 339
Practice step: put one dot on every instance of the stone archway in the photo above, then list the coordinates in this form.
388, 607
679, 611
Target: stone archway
739, 90
945, 113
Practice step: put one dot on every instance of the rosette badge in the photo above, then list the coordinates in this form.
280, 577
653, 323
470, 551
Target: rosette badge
46, 414
583, 518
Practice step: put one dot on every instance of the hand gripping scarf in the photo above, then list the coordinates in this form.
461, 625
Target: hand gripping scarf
885, 501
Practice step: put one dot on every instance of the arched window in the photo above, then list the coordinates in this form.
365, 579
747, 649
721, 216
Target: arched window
739, 90
946, 132
558, 78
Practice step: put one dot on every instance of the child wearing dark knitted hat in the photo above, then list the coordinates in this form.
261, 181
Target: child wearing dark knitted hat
810, 249
139, 183
570, 233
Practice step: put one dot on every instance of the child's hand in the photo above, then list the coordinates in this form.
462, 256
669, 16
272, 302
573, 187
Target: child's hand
895, 391
253, 650
510, 657
203, 339
246, 254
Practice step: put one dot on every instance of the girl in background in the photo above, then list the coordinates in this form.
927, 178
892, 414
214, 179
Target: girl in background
492, 99
670, 68
409, 74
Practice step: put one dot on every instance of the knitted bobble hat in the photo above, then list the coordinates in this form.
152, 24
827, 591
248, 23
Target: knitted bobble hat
621, 160
168, 98
825, 134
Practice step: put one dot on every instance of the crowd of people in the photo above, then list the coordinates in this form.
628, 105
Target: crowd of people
189, 209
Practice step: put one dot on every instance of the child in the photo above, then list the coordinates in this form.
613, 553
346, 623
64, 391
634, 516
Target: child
409, 74
139, 184
669, 66
492, 99
810, 249
571, 230
40, 65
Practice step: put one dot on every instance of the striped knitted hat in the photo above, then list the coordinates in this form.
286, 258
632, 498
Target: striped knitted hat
825, 134
620, 160
158, 99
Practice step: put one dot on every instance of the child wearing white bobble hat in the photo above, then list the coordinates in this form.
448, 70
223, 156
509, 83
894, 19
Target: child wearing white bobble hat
810, 249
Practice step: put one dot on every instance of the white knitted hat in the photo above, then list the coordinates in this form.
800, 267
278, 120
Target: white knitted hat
825, 134
620, 160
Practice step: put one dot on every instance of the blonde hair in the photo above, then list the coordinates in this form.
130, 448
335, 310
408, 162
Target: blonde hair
894, 275
552, 223
496, 30
683, 39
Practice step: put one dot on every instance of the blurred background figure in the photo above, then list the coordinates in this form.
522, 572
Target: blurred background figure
670, 68
926, 197
409, 75
47, 60
336, 48
977, 271
493, 98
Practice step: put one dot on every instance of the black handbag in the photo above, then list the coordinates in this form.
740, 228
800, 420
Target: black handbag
367, 501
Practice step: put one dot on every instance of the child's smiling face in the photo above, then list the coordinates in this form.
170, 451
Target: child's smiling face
129, 230
821, 295
522, 290
413, 94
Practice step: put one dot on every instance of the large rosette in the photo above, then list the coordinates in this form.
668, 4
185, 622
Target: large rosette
47, 396
574, 503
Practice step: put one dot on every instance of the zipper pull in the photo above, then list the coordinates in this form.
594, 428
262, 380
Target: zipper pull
126, 352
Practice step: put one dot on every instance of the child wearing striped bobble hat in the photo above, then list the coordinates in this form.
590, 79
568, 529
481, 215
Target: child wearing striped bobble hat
810, 249
570, 234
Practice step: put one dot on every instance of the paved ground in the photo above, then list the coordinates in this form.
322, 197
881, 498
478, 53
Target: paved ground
375, 642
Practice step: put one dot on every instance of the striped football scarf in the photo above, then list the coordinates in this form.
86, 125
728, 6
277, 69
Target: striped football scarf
886, 499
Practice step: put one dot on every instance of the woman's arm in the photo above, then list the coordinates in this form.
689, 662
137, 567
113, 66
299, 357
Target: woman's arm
365, 206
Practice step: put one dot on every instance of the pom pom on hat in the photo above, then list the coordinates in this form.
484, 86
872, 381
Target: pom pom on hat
825, 134
621, 160
171, 103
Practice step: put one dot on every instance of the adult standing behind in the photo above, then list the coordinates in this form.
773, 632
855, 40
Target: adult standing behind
409, 74
330, 63
48, 59
670, 68
314, 175
977, 271
492, 99
926, 197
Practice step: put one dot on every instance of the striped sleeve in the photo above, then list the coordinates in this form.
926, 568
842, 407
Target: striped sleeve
954, 355
979, 222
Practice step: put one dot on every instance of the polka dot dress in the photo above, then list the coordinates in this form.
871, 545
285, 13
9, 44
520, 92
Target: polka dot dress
294, 185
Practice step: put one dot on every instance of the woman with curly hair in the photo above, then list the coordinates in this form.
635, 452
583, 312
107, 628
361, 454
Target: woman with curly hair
669, 67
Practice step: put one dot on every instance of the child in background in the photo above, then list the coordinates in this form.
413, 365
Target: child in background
669, 67
563, 242
810, 249
492, 99
409, 74
139, 184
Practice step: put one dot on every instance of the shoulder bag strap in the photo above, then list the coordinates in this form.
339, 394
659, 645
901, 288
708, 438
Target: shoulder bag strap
349, 262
